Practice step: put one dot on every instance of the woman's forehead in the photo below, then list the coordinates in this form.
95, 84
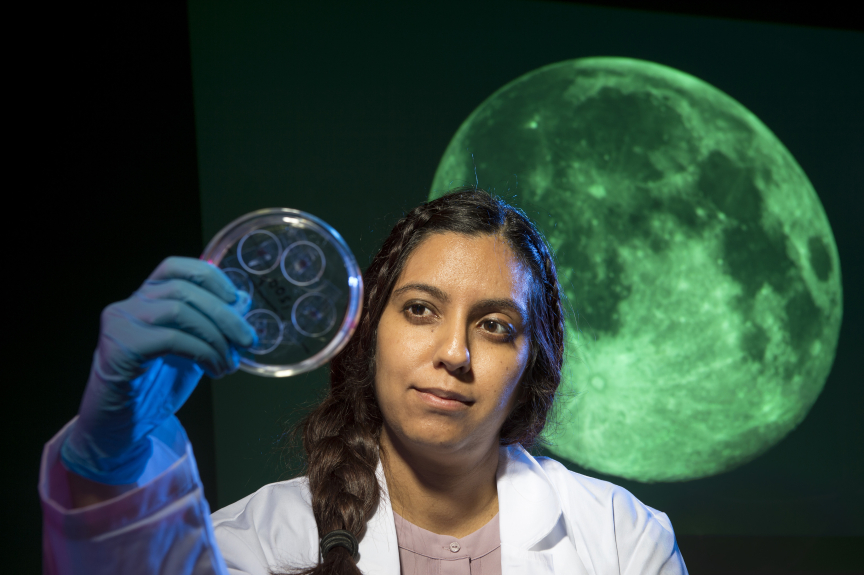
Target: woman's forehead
469, 265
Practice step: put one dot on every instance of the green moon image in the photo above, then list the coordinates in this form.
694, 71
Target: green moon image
697, 260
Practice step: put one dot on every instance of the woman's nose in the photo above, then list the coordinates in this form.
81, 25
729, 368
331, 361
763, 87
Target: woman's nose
452, 350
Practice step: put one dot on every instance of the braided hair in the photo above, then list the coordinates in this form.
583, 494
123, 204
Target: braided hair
340, 437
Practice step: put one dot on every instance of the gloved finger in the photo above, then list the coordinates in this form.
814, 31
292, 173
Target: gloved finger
125, 338
227, 318
200, 273
178, 314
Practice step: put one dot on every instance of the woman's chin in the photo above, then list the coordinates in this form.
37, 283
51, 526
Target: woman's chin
442, 442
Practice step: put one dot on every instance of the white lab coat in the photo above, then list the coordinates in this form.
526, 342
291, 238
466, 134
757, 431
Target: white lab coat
552, 521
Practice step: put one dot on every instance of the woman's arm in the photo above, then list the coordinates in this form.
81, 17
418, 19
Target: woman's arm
645, 538
86, 493
161, 524
119, 485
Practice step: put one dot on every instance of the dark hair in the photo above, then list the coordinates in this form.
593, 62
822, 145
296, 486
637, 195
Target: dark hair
341, 435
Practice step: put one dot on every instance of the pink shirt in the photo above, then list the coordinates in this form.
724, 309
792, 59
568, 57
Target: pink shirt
422, 552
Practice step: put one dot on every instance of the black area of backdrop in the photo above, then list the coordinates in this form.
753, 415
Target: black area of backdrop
108, 151
104, 186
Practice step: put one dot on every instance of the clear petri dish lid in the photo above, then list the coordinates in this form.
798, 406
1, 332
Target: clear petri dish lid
306, 288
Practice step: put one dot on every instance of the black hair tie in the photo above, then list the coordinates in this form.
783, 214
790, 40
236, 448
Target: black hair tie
340, 538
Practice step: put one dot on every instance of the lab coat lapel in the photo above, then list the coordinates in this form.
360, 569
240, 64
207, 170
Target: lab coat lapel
529, 509
379, 550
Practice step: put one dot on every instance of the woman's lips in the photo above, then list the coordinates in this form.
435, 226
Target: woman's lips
443, 399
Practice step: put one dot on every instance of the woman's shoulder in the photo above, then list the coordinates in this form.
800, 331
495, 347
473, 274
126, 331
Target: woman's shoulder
583, 494
577, 484
600, 513
293, 494
566, 482
254, 531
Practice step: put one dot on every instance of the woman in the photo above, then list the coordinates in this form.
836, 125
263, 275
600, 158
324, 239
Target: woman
416, 458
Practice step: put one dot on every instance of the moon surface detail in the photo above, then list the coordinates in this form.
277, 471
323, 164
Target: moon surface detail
693, 250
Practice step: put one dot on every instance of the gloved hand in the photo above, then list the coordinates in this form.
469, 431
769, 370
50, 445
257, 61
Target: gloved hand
185, 320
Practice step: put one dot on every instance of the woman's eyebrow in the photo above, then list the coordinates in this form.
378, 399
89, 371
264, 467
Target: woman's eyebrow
502, 304
431, 290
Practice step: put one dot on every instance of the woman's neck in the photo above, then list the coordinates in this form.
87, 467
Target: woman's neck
452, 494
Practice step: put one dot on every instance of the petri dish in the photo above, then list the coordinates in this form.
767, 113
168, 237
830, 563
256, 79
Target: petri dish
306, 288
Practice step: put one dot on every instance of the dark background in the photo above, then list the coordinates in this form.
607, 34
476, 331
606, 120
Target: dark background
108, 155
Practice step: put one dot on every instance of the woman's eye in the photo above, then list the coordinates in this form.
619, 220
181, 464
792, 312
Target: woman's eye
417, 309
496, 327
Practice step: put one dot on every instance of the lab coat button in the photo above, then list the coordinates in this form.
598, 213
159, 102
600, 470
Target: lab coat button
454, 547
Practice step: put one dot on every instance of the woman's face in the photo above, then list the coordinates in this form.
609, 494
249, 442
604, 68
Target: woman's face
452, 344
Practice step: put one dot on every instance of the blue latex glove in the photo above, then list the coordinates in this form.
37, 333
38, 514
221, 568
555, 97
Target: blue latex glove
185, 320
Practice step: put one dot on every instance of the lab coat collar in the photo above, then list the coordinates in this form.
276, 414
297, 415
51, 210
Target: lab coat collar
528, 505
379, 549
